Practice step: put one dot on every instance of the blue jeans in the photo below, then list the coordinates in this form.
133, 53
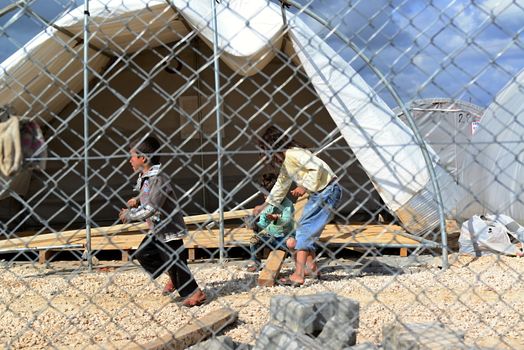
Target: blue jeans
319, 210
267, 241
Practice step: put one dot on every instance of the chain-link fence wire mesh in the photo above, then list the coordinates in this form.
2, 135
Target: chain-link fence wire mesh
414, 107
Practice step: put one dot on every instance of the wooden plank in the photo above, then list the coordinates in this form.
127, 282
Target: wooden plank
336, 234
196, 240
44, 255
404, 252
195, 332
272, 268
65, 237
125, 255
191, 254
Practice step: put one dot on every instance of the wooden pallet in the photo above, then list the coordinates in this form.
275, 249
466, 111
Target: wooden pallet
127, 237
346, 235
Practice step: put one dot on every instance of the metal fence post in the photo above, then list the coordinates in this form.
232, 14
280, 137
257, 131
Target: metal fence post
86, 137
218, 102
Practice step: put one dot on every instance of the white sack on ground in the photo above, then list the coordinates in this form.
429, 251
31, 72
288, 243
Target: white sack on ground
486, 235
494, 173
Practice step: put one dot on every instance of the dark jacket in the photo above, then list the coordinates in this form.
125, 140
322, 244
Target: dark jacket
158, 206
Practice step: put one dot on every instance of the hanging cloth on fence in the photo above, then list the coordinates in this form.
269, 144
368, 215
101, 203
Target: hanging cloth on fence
490, 234
33, 145
22, 149
11, 155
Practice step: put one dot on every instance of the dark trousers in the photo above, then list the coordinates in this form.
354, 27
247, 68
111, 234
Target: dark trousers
157, 257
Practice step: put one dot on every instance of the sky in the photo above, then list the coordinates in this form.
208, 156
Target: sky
464, 49
459, 49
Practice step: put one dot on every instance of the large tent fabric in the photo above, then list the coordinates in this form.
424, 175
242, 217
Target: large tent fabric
43, 76
46, 74
447, 125
494, 173
384, 145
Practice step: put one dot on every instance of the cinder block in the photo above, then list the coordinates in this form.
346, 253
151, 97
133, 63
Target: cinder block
309, 313
216, 343
274, 337
242, 346
288, 312
426, 336
350, 310
337, 334
304, 314
324, 305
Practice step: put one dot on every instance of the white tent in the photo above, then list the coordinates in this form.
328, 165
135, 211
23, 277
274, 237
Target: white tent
44, 77
448, 126
494, 172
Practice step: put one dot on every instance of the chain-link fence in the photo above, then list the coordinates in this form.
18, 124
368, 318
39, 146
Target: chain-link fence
304, 173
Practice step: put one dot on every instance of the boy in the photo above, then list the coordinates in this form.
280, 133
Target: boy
275, 226
312, 175
162, 250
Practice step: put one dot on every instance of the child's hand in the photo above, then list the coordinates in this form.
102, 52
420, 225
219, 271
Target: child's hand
272, 217
258, 209
298, 192
132, 203
122, 215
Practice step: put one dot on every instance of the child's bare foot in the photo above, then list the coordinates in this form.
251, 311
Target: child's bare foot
252, 267
168, 288
313, 274
312, 271
196, 299
293, 280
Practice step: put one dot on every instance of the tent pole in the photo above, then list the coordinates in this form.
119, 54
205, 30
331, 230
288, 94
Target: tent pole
218, 107
86, 137
411, 122
12, 7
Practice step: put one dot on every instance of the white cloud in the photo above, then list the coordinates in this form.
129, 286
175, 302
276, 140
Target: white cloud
505, 10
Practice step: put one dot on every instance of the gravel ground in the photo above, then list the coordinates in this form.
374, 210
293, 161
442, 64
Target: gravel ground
64, 306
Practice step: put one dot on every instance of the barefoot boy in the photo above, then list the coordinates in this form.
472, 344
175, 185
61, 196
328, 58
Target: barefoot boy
162, 250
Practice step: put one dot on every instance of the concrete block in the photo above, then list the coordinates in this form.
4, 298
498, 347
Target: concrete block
309, 313
273, 337
349, 309
288, 312
425, 336
304, 314
215, 343
337, 334
242, 346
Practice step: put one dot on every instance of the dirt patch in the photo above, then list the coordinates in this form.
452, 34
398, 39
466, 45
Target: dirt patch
62, 305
